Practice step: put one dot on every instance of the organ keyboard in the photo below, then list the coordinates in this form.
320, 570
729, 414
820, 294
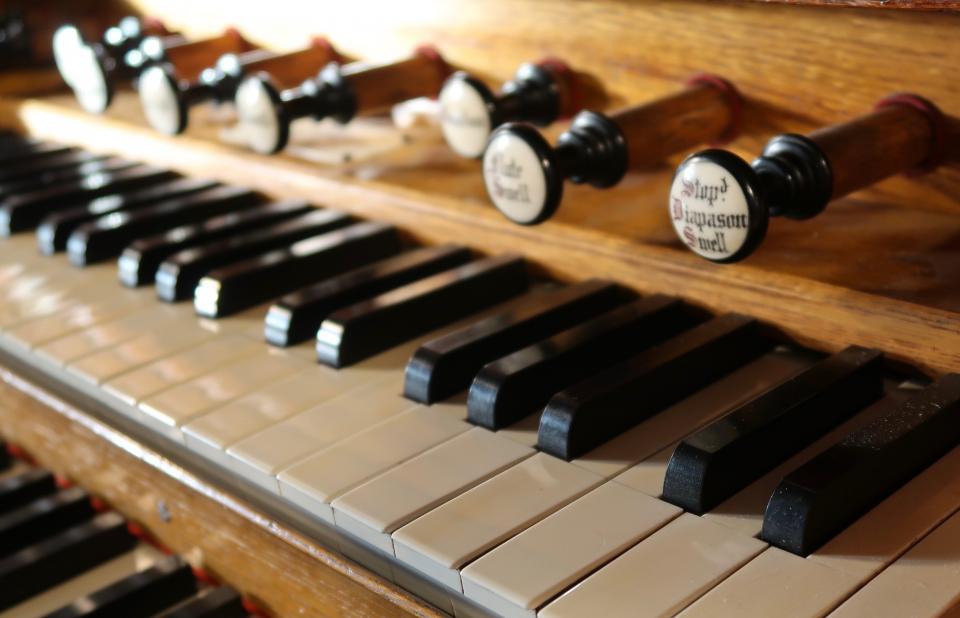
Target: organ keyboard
501, 421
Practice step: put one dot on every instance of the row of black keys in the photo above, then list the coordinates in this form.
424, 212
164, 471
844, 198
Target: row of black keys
593, 358
49, 536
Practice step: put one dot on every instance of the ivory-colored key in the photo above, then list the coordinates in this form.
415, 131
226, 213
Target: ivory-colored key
851, 558
375, 509
211, 432
921, 583
662, 574
17, 246
448, 537
133, 386
699, 408
141, 558
35, 296
168, 410
316, 480
775, 583
88, 341
149, 347
519, 576
262, 455
77, 317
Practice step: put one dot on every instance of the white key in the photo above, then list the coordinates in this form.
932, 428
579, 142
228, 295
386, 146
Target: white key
262, 455
851, 558
662, 574
517, 577
76, 317
168, 410
140, 558
775, 583
316, 480
212, 433
101, 336
448, 537
37, 295
695, 411
133, 386
375, 509
924, 582
146, 348
19, 246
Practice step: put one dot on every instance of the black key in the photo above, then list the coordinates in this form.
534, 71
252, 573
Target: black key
222, 602
106, 237
178, 276
53, 232
139, 262
43, 518
25, 211
238, 286
151, 590
369, 327
46, 179
42, 165
5, 459
43, 565
522, 383
724, 457
597, 409
21, 151
20, 489
829, 492
445, 366
297, 316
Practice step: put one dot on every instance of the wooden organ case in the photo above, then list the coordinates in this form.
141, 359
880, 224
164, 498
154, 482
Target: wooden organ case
878, 269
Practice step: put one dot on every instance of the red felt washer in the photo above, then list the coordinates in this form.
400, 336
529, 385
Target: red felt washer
934, 117
432, 53
734, 99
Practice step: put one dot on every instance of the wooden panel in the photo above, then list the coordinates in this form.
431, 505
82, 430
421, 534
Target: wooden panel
840, 282
283, 571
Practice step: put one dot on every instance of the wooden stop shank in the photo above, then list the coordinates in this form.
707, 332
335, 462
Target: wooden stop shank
656, 130
190, 58
891, 140
291, 68
378, 87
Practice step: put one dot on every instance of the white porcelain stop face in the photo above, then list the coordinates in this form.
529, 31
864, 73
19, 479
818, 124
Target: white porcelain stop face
160, 101
257, 115
465, 118
709, 211
515, 178
88, 80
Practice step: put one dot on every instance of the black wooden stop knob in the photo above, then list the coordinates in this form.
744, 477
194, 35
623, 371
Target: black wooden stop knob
720, 205
167, 97
339, 92
91, 68
539, 93
524, 174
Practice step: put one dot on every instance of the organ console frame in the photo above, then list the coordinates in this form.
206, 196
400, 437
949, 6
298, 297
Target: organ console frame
873, 270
